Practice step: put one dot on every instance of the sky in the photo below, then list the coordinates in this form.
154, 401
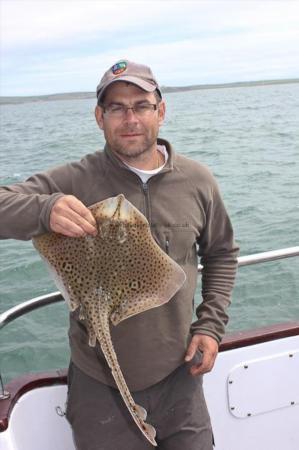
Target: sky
65, 46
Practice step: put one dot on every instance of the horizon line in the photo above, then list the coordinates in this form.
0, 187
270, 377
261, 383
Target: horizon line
165, 89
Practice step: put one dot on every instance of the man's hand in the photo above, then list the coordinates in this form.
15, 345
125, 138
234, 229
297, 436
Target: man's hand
71, 218
209, 348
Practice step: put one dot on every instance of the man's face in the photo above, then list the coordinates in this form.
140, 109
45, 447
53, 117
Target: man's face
131, 135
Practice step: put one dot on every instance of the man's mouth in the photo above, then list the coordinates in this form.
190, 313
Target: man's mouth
130, 135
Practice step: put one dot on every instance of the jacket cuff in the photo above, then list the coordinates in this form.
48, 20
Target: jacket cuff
195, 329
47, 208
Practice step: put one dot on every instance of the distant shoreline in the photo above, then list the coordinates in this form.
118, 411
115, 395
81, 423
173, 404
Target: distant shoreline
165, 89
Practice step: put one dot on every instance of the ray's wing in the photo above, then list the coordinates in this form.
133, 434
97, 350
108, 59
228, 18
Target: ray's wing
49, 246
167, 278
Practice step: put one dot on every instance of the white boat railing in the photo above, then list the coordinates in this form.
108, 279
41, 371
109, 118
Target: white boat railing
55, 297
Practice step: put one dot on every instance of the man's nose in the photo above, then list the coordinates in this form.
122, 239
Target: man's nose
130, 115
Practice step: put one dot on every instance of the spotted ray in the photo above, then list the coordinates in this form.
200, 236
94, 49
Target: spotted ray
115, 275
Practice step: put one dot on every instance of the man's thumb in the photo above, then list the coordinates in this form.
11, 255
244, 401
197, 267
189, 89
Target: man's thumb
191, 351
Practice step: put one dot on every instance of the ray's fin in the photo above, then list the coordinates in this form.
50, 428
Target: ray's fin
141, 411
151, 431
92, 339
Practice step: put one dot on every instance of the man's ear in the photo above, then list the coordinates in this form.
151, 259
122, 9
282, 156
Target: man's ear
98, 112
161, 112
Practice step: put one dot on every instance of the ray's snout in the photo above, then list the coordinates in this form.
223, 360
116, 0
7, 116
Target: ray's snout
115, 208
125, 209
109, 207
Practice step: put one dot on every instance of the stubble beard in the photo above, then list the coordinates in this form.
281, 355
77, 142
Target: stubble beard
132, 152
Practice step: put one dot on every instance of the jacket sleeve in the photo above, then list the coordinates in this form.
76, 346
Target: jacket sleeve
25, 207
218, 253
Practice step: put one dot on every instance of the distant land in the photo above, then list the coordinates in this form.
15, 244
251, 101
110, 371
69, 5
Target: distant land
165, 89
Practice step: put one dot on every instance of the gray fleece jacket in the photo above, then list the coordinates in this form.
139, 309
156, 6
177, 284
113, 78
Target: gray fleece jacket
188, 219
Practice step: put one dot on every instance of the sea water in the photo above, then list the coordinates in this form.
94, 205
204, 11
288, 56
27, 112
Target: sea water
248, 136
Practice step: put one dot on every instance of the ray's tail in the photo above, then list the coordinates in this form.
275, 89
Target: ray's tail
137, 412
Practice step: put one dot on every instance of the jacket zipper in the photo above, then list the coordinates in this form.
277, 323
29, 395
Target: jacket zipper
146, 196
145, 189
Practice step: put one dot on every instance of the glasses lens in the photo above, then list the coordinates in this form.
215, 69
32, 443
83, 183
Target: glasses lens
140, 109
143, 108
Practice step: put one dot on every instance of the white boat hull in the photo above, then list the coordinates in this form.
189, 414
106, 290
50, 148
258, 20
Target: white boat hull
273, 423
251, 407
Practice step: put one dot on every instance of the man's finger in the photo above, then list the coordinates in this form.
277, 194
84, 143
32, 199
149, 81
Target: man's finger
206, 364
209, 349
70, 217
80, 221
191, 351
81, 215
68, 228
78, 207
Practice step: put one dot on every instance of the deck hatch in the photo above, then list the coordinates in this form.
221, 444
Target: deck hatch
262, 385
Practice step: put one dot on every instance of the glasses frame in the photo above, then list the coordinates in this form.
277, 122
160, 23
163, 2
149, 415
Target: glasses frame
124, 109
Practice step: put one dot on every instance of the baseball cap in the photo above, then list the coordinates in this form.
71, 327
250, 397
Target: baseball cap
131, 72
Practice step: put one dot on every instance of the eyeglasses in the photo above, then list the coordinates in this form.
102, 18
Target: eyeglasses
119, 110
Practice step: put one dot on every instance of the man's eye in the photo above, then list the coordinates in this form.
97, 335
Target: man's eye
116, 108
142, 107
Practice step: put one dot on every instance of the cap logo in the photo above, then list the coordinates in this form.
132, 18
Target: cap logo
119, 67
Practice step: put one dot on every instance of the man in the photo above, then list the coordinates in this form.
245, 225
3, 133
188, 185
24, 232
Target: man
163, 356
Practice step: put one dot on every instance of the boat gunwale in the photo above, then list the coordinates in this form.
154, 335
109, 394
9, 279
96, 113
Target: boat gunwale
25, 383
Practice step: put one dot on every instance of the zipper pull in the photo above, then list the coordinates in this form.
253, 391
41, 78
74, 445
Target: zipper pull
167, 246
145, 187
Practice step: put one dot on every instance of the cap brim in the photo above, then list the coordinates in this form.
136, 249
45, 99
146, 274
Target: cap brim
143, 84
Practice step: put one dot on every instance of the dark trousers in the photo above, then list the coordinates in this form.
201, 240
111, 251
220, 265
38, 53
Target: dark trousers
176, 408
